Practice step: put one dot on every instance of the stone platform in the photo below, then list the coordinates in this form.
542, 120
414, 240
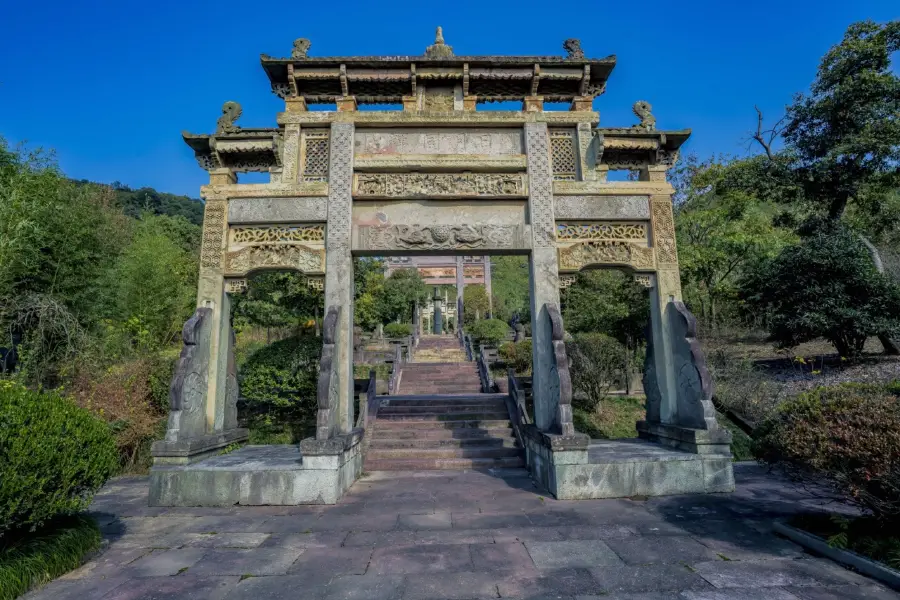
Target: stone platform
257, 475
442, 535
627, 468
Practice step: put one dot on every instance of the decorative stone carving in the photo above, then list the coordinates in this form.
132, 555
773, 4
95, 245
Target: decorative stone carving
562, 153
416, 185
236, 286
561, 381
540, 181
439, 49
288, 233
187, 394
301, 48
694, 385
605, 252
327, 388
664, 231
274, 256
316, 283
443, 141
340, 199
437, 237
213, 226
643, 280
231, 112
566, 281
642, 110
601, 207
601, 231
277, 210
437, 102
572, 46
282, 90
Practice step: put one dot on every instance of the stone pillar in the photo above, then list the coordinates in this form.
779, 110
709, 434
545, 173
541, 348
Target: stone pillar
290, 154
339, 264
438, 316
487, 286
544, 275
460, 290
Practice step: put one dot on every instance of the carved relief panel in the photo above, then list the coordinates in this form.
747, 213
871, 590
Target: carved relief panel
439, 185
296, 247
491, 142
603, 243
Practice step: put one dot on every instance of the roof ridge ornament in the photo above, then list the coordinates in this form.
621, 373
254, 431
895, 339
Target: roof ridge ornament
231, 112
642, 110
439, 49
572, 46
301, 48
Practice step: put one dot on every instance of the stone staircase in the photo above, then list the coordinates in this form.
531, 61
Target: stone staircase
439, 419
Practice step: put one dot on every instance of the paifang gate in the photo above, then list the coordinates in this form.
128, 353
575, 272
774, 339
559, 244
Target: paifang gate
440, 177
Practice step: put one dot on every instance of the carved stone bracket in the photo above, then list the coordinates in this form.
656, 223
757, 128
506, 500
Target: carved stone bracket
439, 237
236, 285
566, 281
605, 252
275, 256
446, 185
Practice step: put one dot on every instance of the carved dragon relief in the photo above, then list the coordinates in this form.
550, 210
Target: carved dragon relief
605, 252
572, 46
275, 256
301, 48
438, 237
231, 112
642, 110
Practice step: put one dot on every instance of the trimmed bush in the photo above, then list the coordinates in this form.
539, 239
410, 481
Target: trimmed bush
597, 365
55, 456
847, 436
517, 356
397, 330
281, 377
489, 332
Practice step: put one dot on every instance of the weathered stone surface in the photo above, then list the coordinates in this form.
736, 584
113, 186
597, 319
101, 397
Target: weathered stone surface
483, 141
571, 554
277, 210
601, 207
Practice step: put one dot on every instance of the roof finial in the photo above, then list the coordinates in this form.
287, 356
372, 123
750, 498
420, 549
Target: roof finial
439, 49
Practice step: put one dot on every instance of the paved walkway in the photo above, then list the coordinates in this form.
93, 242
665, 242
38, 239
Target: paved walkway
461, 535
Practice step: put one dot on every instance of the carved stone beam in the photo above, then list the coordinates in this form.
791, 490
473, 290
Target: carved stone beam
535, 79
585, 80
292, 81
344, 86
465, 83
412, 78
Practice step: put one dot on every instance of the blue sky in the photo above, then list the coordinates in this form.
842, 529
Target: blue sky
110, 85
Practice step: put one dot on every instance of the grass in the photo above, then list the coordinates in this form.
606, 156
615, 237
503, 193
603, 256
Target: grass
868, 536
276, 429
33, 559
382, 371
611, 419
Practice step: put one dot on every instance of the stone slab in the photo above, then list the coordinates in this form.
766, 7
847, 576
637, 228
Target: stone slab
277, 210
256, 475
572, 554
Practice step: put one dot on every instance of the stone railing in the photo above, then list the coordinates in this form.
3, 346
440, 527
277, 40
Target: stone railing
516, 405
396, 367
327, 388
484, 371
467, 346
561, 386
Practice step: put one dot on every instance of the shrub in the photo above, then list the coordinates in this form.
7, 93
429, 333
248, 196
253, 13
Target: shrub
597, 365
397, 330
281, 377
489, 332
827, 286
517, 356
55, 455
847, 436
132, 397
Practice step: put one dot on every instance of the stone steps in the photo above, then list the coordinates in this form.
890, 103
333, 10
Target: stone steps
456, 464
459, 431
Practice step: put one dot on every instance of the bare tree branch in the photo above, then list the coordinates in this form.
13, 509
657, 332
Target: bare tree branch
766, 137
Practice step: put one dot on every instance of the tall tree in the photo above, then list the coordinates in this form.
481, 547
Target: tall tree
399, 293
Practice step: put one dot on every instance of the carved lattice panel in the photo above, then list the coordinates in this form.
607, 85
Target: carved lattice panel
276, 233
315, 155
602, 230
562, 154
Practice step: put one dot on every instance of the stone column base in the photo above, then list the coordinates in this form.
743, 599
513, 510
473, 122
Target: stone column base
697, 441
316, 472
191, 450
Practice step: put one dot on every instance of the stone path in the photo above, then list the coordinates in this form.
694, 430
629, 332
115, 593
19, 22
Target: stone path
460, 535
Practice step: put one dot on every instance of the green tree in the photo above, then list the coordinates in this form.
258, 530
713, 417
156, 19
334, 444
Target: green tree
152, 282
844, 136
510, 287
368, 275
826, 286
607, 301
279, 299
399, 293
475, 304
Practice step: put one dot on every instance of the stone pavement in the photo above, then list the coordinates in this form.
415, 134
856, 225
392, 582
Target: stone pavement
460, 535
